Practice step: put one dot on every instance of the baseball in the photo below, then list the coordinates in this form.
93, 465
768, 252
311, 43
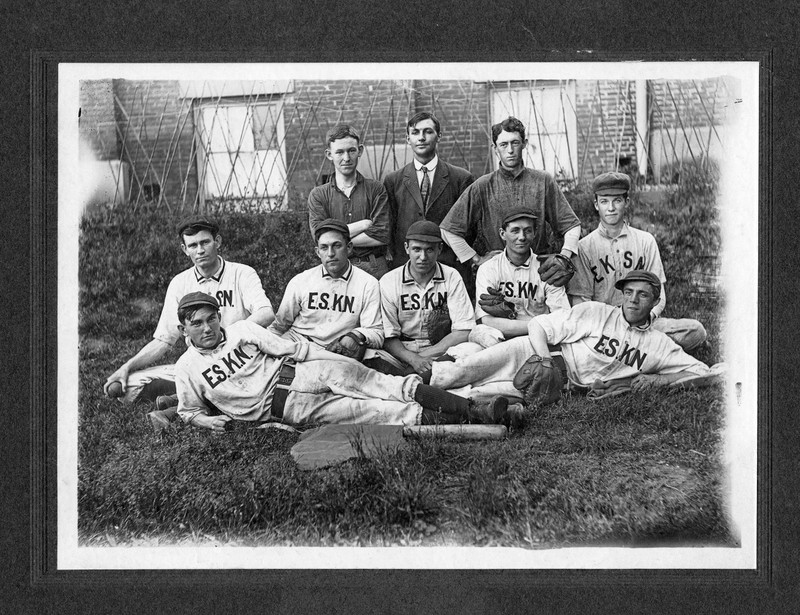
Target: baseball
115, 389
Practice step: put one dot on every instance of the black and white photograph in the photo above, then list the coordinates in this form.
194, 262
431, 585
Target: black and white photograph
413, 316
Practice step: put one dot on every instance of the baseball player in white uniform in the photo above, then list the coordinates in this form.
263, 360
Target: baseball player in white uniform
333, 299
236, 287
600, 342
509, 288
613, 249
250, 374
425, 306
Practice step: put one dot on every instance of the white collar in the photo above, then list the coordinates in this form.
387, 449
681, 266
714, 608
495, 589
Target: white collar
431, 166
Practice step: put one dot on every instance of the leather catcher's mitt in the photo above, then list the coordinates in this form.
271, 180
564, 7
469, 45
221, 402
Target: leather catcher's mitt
540, 381
494, 303
348, 345
438, 324
555, 269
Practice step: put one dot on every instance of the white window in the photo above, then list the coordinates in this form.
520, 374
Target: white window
242, 153
547, 109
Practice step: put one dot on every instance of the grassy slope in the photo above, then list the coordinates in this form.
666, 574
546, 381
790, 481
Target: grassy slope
626, 470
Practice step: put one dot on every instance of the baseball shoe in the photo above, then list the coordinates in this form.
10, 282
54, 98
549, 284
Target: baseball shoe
166, 401
488, 412
515, 416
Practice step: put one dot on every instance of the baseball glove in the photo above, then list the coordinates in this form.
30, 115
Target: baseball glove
349, 345
540, 381
494, 303
556, 269
438, 324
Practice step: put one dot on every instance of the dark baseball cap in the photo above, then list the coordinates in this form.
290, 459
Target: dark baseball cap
609, 184
198, 298
640, 276
519, 212
198, 223
424, 230
331, 224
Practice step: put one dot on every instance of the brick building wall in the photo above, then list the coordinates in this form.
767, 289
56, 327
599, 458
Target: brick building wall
463, 110
150, 126
97, 125
695, 102
376, 109
157, 139
606, 125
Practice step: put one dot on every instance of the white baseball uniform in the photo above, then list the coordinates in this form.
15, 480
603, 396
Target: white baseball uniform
321, 308
519, 285
597, 343
239, 378
603, 260
236, 287
406, 305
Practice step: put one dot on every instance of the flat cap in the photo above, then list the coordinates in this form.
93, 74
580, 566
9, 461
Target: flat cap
519, 212
197, 298
198, 223
638, 275
611, 184
424, 230
331, 224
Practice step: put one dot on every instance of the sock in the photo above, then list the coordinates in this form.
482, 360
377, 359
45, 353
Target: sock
440, 400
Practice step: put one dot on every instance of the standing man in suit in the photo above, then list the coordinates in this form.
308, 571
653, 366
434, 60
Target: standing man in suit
424, 189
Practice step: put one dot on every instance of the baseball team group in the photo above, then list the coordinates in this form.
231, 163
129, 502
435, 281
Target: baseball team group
439, 298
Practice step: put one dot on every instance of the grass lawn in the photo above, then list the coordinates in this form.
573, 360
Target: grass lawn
638, 469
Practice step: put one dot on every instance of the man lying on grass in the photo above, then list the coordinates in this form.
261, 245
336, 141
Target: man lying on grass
607, 349
247, 373
613, 249
237, 286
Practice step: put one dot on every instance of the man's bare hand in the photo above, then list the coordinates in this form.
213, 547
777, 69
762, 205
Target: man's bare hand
539, 306
419, 364
121, 377
214, 423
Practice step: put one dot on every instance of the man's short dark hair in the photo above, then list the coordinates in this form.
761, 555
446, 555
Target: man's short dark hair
188, 312
421, 117
510, 124
342, 131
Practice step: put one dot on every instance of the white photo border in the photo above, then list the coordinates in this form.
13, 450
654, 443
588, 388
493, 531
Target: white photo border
739, 212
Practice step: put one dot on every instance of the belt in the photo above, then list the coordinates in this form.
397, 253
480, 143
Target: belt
285, 377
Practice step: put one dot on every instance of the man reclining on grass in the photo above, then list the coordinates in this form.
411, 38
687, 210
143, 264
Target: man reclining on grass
606, 349
238, 288
250, 374
613, 249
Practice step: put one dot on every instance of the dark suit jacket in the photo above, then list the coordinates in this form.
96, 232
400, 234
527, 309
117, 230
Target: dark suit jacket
405, 204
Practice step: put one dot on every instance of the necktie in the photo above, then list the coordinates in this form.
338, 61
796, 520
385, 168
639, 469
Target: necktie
425, 188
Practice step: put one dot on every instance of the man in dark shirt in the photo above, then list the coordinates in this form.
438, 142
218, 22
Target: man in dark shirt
359, 202
444, 184
480, 210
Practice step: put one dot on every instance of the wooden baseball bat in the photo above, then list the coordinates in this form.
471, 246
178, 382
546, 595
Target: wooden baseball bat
462, 432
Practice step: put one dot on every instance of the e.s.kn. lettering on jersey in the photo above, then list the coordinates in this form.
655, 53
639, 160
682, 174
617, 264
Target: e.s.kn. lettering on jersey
605, 263
232, 362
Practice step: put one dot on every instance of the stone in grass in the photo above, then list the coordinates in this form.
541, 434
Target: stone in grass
331, 444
